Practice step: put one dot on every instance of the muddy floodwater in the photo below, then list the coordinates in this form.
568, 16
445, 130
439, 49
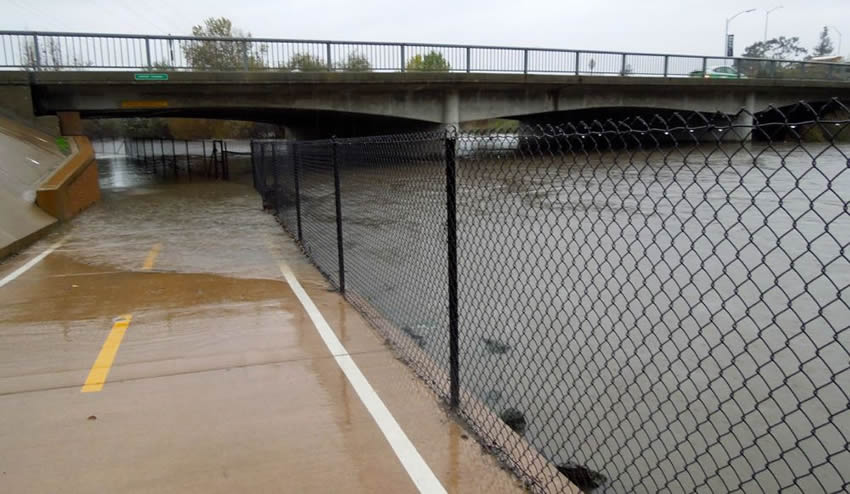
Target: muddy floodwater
675, 321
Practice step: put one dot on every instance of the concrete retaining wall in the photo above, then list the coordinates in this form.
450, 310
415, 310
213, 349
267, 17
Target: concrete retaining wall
39, 184
73, 186
27, 158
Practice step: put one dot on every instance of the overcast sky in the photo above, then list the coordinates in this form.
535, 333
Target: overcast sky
660, 26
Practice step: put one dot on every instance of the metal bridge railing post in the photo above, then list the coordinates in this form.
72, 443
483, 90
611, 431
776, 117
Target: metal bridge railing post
578, 58
328, 56
451, 238
148, 52
525, 61
338, 204
666, 64
37, 55
297, 189
402, 57
704, 65
623, 64
468, 68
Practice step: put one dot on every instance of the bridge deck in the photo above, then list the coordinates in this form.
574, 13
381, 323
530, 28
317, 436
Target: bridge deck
221, 382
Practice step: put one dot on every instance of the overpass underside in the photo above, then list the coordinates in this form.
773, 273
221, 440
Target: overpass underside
350, 104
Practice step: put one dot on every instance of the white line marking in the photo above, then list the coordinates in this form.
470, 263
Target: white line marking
416, 467
32, 262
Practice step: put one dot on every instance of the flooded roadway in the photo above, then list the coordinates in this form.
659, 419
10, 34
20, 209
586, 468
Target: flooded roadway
676, 320
221, 382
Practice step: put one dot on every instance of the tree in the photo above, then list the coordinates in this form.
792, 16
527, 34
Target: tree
779, 48
433, 61
223, 55
824, 46
356, 63
50, 56
304, 62
206, 128
147, 128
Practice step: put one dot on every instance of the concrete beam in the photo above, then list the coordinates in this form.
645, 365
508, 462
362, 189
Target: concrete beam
435, 98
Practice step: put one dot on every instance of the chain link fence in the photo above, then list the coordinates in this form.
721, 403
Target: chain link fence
645, 305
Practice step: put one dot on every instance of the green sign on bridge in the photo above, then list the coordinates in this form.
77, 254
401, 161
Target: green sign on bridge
150, 77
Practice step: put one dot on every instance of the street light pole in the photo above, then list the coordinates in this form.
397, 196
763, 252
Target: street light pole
728, 20
766, 17
839, 37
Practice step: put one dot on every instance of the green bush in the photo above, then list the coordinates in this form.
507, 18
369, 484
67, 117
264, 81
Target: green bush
433, 61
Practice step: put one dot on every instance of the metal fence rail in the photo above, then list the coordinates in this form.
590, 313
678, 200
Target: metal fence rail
33, 50
651, 306
178, 157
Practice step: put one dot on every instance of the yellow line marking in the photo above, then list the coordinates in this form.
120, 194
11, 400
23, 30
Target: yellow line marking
151, 259
100, 369
144, 104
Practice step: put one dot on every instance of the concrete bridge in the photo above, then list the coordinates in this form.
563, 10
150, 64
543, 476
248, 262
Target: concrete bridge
321, 87
316, 104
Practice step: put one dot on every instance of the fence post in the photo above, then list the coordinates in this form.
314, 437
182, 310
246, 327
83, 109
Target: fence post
297, 189
275, 178
468, 58
525, 61
253, 167
174, 157
188, 161
402, 57
451, 237
623, 64
148, 52
666, 64
578, 58
37, 59
738, 67
225, 164
338, 201
162, 156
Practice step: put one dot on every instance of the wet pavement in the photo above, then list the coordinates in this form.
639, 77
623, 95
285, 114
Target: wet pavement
221, 382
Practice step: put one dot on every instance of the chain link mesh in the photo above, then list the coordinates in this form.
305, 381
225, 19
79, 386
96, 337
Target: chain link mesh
645, 305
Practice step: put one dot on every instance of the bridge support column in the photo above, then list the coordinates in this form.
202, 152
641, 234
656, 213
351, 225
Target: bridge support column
70, 123
742, 125
451, 109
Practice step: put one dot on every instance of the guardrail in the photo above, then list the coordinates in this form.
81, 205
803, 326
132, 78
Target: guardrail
33, 50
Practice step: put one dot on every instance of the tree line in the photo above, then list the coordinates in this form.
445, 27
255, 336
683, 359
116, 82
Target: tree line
245, 54
788, 48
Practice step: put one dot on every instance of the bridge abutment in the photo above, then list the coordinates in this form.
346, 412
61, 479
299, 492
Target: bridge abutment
70, 123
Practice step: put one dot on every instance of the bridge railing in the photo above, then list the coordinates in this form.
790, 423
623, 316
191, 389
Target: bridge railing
31, 50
